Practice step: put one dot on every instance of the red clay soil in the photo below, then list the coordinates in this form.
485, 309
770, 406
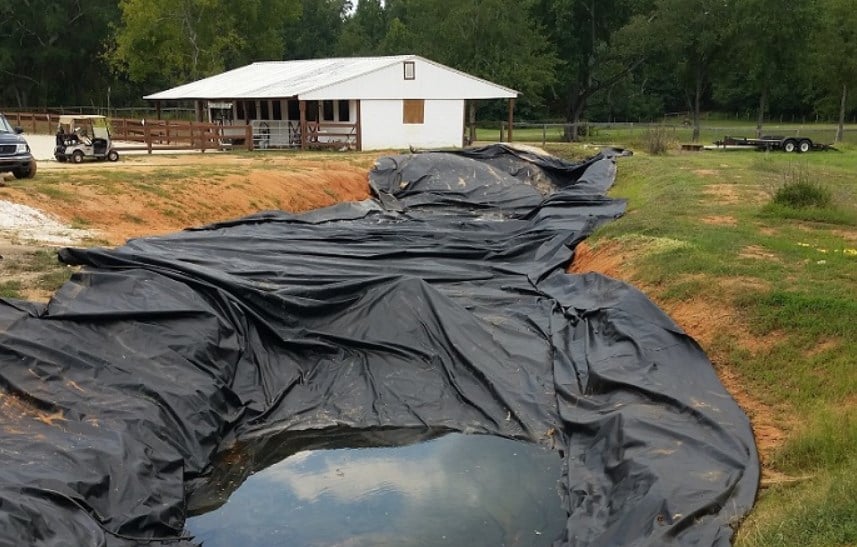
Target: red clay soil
138, 200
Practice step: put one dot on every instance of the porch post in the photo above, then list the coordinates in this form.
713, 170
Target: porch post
302, 107
197, 107
359, 128
472, 121
511, 118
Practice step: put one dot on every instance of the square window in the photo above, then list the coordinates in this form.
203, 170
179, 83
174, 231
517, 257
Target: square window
413, 111
410, 70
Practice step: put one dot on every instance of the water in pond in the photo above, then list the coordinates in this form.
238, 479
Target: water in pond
452, 490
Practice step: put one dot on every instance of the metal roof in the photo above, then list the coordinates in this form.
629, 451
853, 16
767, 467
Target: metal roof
282, 79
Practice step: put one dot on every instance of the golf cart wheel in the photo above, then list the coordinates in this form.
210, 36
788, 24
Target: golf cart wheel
77, 156
26, 173
113, 155
790, 146
804, 146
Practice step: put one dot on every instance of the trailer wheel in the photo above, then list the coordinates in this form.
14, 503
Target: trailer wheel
804, 146
790, 145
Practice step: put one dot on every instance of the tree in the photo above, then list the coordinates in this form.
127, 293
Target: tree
771, 47
316, 32
835, 53
581, 31
692, 35
51, 52
363, 32
165, 42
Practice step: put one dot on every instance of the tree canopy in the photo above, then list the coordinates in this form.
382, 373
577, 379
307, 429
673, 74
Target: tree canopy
572, 59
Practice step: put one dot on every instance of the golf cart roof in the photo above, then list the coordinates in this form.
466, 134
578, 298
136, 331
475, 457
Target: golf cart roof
70, 118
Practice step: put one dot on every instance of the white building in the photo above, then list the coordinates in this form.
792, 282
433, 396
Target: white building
365, 103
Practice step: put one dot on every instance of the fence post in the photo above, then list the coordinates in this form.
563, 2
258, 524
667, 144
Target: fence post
147, 136
544, 133
248, 137
206, 133
501, 131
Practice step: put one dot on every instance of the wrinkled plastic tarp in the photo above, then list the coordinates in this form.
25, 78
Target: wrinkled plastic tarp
444, 303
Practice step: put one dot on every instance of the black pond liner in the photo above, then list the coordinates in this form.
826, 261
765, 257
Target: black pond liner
442, 304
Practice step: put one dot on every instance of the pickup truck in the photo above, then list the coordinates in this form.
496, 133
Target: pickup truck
15, 153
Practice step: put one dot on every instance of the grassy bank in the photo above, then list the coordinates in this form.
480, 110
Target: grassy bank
770, 290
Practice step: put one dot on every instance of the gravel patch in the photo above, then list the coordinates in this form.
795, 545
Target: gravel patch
28, 224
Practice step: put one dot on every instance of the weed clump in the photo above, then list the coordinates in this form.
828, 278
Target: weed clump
799, 192
802, 194
657, 140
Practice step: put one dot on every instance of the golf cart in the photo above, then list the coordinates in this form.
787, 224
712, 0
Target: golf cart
84, 137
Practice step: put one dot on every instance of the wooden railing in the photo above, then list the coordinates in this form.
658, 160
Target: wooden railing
331, 135
150, 135
180, 135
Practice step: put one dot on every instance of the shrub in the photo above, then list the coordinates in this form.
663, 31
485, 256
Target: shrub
657, 140
799, 192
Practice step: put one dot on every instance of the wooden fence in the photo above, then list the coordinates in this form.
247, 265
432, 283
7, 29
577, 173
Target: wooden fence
179, 135
149, 135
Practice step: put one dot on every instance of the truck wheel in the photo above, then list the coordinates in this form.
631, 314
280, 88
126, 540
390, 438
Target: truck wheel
804, 146
77, 156
790, 145
27, 172
113, 155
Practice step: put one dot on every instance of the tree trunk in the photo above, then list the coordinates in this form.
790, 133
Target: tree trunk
575, 110
697, 98
763, 104
840, 131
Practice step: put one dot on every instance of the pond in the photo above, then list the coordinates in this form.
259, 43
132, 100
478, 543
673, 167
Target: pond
452, 489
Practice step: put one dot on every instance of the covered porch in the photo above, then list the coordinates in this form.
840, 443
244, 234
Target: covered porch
285, 122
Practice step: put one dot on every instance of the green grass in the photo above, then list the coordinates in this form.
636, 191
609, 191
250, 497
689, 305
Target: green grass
710, 131
789, 274
10, 289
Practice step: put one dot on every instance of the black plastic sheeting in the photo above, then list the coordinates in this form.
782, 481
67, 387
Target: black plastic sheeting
444, 304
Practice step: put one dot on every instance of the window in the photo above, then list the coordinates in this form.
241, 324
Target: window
327, 111
410, 70
294, 108
413, 111
344, 111
312, 108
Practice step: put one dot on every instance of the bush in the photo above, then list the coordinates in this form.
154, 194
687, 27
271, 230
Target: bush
803, 194
799, 192
657, 140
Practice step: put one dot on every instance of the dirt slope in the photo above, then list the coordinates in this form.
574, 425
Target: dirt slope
154, 195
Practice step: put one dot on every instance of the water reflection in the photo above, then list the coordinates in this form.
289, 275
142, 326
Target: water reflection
452, 490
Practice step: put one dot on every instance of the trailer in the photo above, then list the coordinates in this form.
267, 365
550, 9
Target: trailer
786, 144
